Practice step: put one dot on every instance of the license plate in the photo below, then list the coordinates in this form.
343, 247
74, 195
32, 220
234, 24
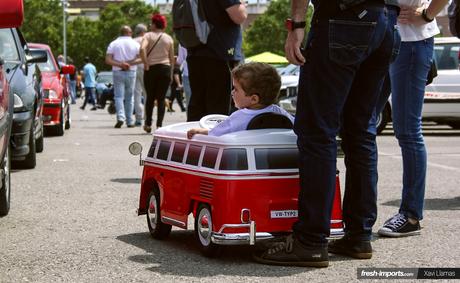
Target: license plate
283, 213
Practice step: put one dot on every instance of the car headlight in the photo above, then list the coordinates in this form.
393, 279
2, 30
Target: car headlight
18, 102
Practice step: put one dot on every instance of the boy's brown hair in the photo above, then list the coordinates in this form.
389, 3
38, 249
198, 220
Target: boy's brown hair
259, 78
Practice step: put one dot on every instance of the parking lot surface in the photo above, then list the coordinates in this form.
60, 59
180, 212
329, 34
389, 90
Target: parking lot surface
73, 218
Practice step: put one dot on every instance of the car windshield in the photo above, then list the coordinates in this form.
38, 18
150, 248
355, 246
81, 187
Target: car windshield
8, 49
104, 78
446, 56
47, 66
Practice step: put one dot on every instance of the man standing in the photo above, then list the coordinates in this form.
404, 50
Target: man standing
209, 65
349, 48
89, 77
121, 54
139, 89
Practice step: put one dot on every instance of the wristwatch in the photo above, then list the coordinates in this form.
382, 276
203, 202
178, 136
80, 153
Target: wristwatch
425, 17
292, 25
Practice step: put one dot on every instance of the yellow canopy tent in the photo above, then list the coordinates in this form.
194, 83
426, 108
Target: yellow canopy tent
267, 57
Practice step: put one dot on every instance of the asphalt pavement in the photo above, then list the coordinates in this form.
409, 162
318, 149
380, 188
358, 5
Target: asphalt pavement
73, 218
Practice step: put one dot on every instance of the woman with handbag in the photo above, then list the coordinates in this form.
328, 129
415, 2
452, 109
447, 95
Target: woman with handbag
157, 53
408, 77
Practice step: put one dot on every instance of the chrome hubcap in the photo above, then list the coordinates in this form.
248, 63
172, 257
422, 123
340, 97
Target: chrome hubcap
152, 211
204, 226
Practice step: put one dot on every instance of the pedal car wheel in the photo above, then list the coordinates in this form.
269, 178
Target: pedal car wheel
203, 229
210, 121
158, 229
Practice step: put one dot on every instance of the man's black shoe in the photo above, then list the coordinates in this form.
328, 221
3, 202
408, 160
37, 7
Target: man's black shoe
82, 107
293, 253
354, 248
93, 108
118, 124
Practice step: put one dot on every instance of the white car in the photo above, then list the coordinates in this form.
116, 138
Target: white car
442, 97
289, 81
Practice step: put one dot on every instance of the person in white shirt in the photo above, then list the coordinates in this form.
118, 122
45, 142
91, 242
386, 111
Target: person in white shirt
123, 55
255, 89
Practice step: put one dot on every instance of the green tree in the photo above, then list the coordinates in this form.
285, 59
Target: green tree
268, 32
43, 23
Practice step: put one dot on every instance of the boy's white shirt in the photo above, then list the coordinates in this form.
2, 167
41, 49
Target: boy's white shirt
239, 120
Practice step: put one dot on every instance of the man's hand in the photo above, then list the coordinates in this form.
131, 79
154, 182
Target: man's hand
411, 15
292, 47
125, 66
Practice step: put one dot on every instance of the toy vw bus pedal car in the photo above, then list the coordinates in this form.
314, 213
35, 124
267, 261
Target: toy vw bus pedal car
241, 187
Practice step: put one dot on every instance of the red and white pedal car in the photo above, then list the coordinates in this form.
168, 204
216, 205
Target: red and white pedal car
241, 187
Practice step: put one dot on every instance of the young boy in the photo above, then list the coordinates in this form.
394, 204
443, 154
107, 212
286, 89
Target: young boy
255, 90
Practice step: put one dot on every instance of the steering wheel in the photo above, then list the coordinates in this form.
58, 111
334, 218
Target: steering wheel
211, 120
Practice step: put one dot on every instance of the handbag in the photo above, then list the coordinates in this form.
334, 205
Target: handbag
432, 73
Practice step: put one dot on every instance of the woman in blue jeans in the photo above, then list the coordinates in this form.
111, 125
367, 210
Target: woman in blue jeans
408, 76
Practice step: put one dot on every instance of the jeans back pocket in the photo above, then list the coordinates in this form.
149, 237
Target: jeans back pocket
349, 40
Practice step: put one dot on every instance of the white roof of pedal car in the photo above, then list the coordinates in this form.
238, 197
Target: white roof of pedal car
272, 137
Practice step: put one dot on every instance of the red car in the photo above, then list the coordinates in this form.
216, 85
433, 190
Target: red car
11, 15
56, 91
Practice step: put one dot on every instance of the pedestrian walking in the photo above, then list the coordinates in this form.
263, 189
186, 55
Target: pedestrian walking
348, 50
121, 55
408, 76
89, 79
176, 89
182, 61
157, 52
210, 65
139, 89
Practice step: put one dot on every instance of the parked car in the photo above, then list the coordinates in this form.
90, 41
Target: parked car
442, 97
11, 15
6, 116
289, 81
241, 187
56, 92
24, 78
104, 80
441, 103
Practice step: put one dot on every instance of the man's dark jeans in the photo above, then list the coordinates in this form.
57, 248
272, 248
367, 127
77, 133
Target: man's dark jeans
347, 59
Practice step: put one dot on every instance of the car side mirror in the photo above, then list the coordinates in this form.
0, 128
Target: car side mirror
68, 69
135, 148
36, 56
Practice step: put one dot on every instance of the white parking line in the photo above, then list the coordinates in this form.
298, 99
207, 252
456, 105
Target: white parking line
432, 164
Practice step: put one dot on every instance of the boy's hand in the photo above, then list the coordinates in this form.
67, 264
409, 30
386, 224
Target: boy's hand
192, 132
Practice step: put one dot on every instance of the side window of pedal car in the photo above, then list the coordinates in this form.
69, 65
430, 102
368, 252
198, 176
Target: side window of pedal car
210, 157
163, 150
234, 159
152, 148
178, 152
276, 158
193, 155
